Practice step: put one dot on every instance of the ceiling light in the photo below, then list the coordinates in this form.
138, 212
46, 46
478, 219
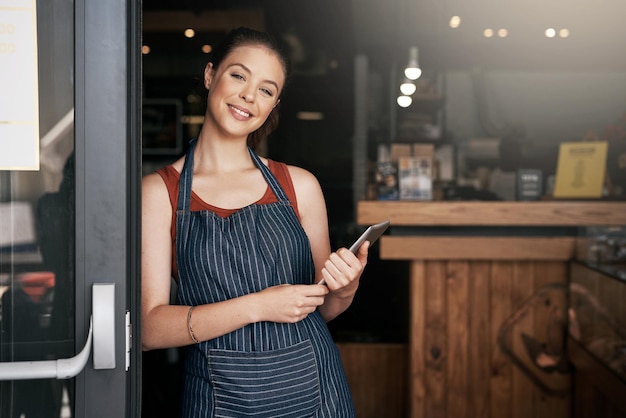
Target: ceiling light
502, 33
408, 87
413, 70
404, 101
564, 33
145, 49
206, 48
190, 33
550, 32
455, 22
488, 33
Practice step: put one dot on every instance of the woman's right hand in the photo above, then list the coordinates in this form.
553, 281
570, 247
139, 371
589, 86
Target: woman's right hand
290, 303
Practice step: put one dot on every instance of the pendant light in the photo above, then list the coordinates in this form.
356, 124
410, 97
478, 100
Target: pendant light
408, 87
413, 70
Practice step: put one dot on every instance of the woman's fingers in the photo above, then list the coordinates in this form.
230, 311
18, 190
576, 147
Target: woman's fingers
292, 303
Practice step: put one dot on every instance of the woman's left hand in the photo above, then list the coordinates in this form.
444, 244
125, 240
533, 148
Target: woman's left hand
342, 270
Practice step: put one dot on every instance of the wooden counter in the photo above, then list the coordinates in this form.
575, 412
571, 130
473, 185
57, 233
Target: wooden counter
487, 312
474, 213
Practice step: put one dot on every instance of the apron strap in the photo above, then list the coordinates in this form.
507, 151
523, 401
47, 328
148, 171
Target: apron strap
269, 177
184, 190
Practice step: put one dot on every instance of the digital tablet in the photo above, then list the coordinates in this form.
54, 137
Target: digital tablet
371, 234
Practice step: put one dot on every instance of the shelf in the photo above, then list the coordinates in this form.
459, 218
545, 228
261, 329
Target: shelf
477, 248
477, 213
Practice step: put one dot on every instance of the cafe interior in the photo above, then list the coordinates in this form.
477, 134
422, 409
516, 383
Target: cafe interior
498, 290
490, 134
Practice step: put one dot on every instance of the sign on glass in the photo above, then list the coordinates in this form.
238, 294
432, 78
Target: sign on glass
19, 101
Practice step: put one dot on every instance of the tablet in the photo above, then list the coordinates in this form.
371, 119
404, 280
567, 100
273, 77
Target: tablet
371, 234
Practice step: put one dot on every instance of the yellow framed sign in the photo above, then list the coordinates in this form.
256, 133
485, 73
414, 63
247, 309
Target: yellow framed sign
581, 170
19, 95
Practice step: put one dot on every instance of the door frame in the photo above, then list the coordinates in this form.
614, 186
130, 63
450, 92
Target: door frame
108, 185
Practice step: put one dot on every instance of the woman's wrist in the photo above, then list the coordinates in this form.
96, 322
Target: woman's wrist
253, 307
190, 326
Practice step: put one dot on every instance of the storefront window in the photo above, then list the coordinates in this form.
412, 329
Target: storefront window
37, 204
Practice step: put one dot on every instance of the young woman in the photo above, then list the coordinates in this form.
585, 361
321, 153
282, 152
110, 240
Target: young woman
246, 238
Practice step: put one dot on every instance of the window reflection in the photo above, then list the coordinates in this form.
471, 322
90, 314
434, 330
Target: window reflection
37, 233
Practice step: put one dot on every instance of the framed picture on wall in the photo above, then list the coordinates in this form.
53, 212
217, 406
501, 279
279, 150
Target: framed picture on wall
162, 130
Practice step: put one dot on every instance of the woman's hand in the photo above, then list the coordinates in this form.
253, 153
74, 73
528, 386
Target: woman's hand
290, 303
342, 270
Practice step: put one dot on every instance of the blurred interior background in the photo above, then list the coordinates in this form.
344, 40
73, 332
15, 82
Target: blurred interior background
502, 85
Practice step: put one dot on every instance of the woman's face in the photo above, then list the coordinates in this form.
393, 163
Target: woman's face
244, 89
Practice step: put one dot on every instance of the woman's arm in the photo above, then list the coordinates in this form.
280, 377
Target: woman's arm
341, 270
165, 325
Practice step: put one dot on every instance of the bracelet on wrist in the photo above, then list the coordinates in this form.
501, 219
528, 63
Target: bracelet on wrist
189, 328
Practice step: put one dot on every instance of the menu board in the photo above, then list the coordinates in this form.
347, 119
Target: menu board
19, 94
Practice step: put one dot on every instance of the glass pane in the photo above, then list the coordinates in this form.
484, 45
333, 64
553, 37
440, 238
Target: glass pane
37, 228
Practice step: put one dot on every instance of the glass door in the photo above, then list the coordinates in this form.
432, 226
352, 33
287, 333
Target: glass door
69, 216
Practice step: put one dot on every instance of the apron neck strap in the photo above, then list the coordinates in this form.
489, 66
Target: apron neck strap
269, 177
184, 191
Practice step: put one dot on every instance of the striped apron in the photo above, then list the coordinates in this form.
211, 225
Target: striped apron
265, 369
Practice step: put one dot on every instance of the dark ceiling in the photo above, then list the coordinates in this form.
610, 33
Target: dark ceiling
384, 29
326, 35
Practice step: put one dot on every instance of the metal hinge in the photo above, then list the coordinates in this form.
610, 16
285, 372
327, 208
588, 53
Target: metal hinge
129, 339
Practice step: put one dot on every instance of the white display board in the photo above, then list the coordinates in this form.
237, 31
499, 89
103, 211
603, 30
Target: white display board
19, 92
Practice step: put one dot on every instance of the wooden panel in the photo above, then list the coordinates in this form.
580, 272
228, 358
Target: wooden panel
492, 213
523, 391
377, 375
457, 372
417, 355
476, 248
435, 340
501, 368
480, 346
458, 367
550, 322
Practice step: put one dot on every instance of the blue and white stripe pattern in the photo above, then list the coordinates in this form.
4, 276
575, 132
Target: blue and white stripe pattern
265, 369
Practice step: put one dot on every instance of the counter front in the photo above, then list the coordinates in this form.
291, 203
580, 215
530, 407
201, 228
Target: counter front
488, 296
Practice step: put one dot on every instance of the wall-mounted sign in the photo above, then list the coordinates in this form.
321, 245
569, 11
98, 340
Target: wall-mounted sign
19, 94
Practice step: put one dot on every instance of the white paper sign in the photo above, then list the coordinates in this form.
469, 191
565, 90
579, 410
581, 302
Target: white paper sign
19, 94
17, 224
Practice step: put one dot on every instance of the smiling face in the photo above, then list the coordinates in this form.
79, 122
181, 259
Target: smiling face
243, 90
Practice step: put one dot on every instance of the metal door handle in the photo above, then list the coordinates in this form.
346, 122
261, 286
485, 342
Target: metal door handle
48, 369
103, 309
